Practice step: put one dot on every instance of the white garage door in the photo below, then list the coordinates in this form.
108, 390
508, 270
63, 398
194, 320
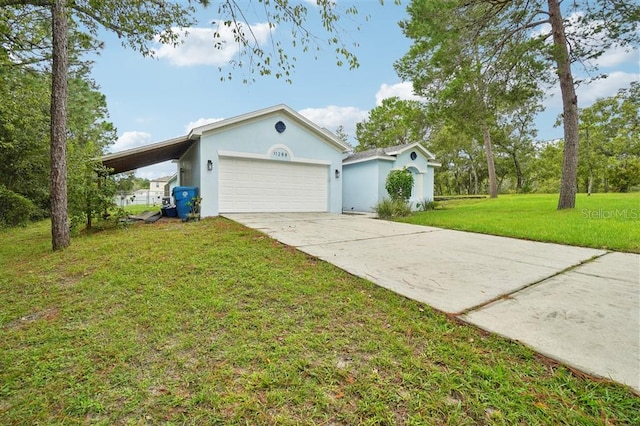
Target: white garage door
248, 185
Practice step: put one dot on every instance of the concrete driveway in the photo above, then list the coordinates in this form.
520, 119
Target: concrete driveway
579, 306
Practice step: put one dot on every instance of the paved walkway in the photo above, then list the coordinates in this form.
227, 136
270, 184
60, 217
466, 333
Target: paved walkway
579, 306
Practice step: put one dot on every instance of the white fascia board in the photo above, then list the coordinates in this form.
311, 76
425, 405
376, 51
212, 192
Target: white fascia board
417, 146
145, 148
255, 156
362, 160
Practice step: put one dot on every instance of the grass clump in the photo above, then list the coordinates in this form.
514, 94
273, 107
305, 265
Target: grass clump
426, 205
212, 323
392, 208
605, 221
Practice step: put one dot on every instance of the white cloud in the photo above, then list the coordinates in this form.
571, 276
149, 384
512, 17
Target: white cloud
605, 87
617, 56
200, 122
588, 93
402, 90
332, 117
129, 140
199, 47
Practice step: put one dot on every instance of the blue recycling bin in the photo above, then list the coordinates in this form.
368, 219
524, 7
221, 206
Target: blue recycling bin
183, 195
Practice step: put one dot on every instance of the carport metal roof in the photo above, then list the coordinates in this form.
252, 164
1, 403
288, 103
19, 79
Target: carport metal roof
147, 155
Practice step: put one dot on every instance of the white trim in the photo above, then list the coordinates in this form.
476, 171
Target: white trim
255, 156
416, 145
362, 160
412, 166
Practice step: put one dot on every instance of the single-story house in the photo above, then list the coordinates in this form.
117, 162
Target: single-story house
271, 160
365, 175
276, 160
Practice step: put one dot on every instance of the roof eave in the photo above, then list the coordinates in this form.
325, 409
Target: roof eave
415, 145
346, 162
146, 155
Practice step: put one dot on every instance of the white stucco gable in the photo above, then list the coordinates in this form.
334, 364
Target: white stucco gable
365, 175
281, 109
273, 159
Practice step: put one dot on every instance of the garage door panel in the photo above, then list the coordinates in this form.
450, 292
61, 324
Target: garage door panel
249, 185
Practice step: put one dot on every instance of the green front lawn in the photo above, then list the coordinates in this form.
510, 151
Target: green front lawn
212, 323
608, 221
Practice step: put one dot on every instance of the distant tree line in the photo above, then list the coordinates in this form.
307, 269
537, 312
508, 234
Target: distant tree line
481, 67
609, 158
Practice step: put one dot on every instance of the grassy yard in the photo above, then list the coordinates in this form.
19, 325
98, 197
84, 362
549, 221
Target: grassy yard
610, 221
211, 323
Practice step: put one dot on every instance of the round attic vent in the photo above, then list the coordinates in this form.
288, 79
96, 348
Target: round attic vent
413, 155
280, 127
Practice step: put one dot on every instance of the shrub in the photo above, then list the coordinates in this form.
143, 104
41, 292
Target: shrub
389, 209
399, 184
15, 209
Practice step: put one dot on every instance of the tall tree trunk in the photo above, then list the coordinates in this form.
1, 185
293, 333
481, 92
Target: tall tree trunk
474, 172
491, 167
59, 221
568, 189
519, 176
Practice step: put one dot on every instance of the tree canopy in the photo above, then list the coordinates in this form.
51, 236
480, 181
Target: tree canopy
461, 48
610, 134
470, 79
24, 131
394, 122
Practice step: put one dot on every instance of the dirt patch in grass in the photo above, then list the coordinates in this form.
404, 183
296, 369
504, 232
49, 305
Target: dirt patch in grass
50, 314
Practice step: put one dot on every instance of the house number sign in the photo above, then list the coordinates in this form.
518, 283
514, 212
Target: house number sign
280, 154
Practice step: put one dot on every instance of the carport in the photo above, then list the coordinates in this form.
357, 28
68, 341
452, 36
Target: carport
147, 155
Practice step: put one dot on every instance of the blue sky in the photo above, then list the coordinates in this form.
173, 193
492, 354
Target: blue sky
154, 99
